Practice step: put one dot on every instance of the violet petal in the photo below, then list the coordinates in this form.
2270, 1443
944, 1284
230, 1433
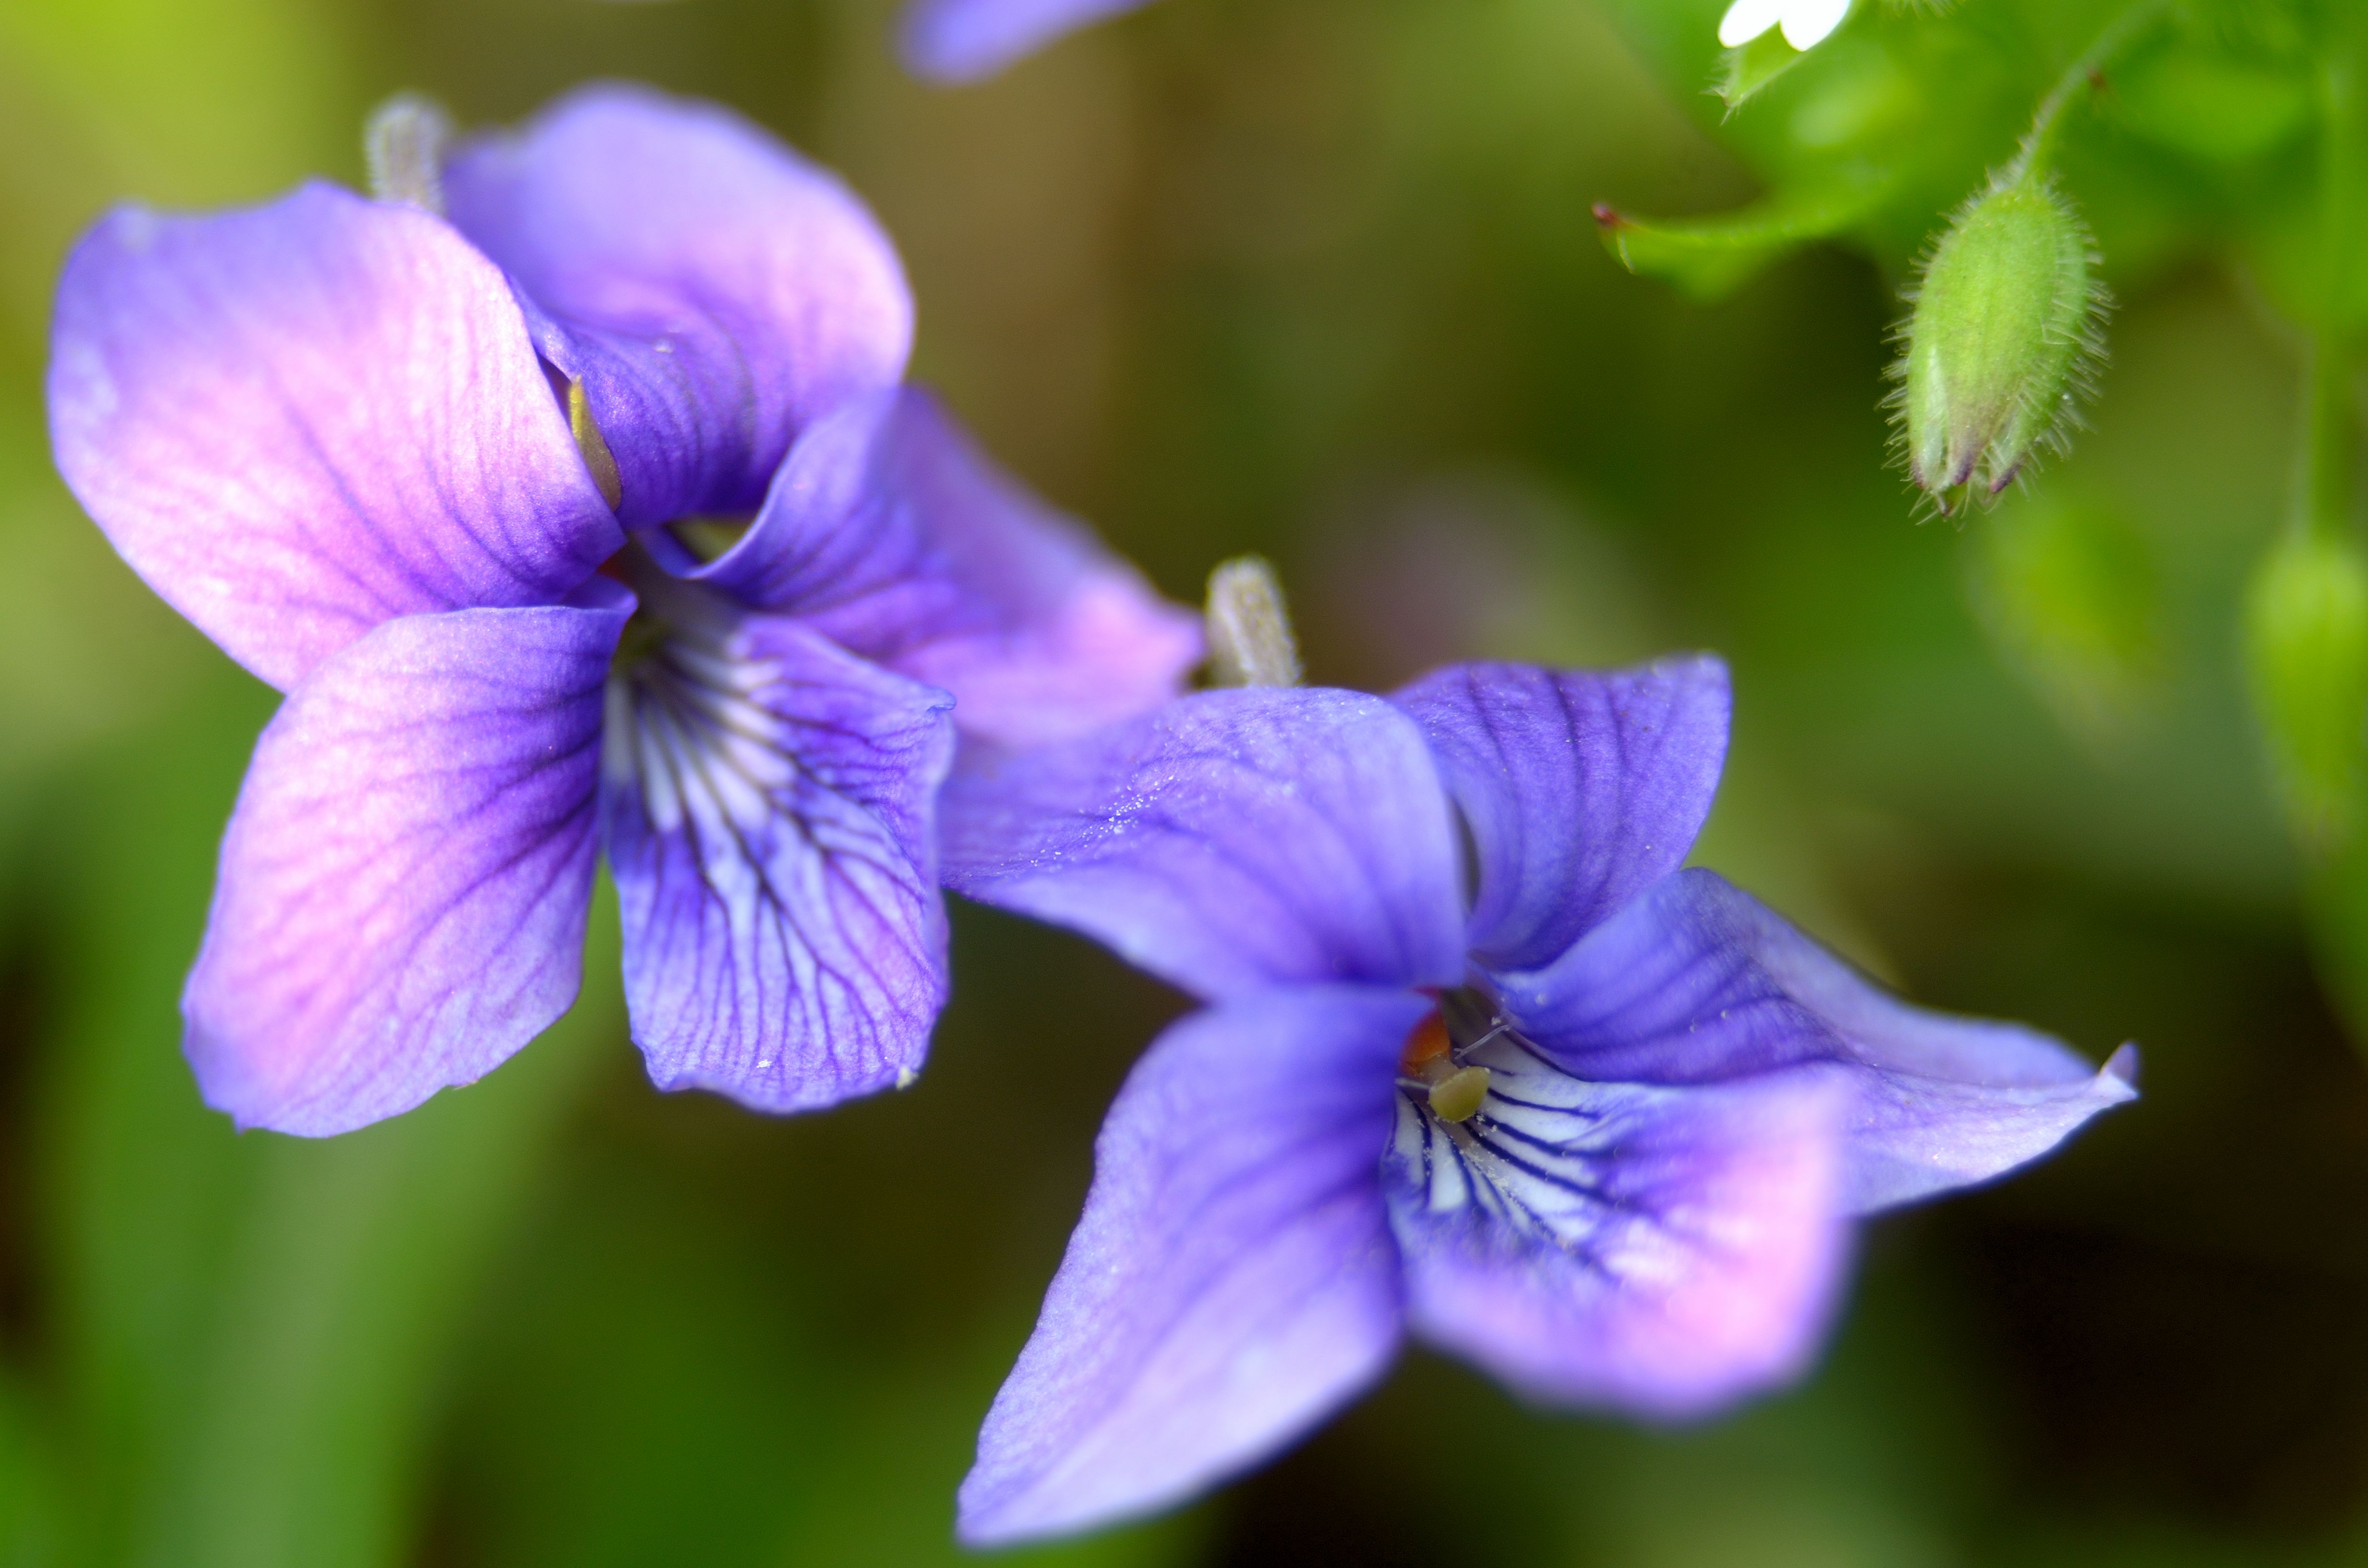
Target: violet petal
1581, 790
962, 40
1662, 1250
1698, 982
301, 420
889, 531
1231, 1281
1230, 841
404, 885
769, 805
714, 291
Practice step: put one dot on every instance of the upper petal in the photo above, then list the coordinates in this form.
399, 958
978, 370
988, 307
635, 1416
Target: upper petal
892, 534
962, 41
1232, 1280
404, 884
1230, 841
301, 420
1665, 1250
714, 291
1581, 790
1697, 981
771, 810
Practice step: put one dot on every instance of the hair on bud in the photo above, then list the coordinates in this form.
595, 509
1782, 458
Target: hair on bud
2002, 344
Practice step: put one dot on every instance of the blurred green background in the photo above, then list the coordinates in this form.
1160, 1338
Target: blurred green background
1315, 278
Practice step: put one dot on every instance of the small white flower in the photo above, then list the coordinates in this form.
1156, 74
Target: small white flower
1806, 22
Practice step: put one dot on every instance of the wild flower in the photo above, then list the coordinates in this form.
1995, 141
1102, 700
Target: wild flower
572, 492
1479, 1063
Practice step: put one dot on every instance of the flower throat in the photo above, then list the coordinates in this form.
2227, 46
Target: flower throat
1434, 1064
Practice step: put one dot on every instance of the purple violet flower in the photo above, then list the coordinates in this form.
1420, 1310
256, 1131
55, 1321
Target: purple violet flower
1598, 1127
438, 481
966, 40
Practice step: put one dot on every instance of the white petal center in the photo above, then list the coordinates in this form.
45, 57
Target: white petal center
1535, 1156
1746, 19
1806, 22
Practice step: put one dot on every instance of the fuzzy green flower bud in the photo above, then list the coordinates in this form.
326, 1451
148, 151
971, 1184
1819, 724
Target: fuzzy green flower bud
2003, 340
2306, 635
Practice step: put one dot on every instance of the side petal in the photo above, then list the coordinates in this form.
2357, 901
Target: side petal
1663, 1250
714, 291
1231, 1281
963, 40
890, 532
1581, 790
771, 808
404, 885
302, 420
1231, 841
1697, 982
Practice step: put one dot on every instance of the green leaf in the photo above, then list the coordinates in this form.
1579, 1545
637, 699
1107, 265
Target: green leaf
1710, 257
28, 1489
658, 1380
353, 1265
261, 1321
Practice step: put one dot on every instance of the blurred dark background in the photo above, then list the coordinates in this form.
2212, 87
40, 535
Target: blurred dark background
1315, 278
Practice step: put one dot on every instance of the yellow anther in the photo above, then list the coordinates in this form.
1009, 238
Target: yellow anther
594, 446
1458, 1096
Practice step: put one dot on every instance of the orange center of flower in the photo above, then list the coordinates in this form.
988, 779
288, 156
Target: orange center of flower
1427, 1044
1456, 1091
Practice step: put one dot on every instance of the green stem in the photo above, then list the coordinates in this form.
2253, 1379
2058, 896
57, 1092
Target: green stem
2330, 410
2038, 148
2323, 493
2322, 511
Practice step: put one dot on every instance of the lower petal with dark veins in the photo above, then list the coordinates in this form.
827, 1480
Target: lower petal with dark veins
1665, 1250
770, 813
